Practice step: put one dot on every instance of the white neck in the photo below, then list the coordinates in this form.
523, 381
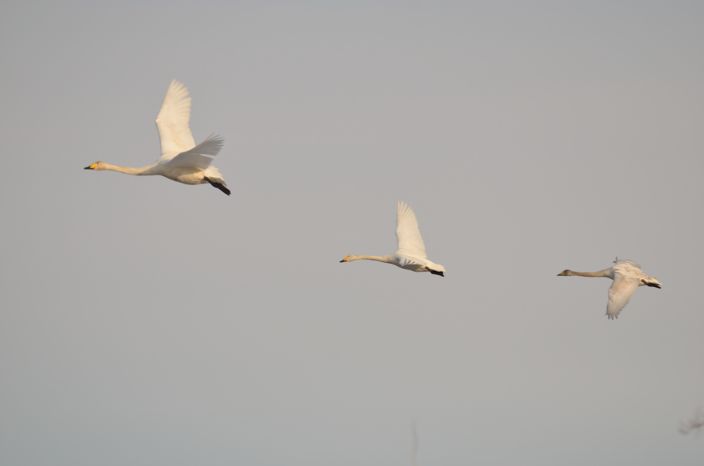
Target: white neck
387, 259
146, 170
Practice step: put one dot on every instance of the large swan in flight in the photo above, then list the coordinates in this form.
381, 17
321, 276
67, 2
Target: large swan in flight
627, 277
411, 250
181, 159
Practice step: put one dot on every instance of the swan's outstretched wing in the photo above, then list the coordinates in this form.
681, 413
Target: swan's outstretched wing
201, 155
410, 242
172, 121
620, 292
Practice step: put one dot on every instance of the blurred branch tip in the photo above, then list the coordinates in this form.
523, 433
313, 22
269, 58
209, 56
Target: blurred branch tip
694, 424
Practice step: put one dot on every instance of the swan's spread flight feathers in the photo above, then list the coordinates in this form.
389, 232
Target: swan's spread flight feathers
181, 159
627, 276
172, 121
411, 250
201, 155
410, 242
620, 293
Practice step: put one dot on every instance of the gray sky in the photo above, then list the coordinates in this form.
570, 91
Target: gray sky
146, 322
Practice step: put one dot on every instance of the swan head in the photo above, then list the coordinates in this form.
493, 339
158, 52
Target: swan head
651, 281
95, 166
565, 273
345, 259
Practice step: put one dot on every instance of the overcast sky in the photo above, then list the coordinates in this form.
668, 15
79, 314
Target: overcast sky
146, 322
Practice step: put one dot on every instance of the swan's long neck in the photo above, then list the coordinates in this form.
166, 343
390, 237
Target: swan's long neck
387, 259
146, 170
600, 273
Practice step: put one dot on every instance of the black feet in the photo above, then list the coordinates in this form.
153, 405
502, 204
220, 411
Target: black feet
220, 186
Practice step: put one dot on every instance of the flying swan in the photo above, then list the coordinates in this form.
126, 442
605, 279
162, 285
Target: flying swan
627, 277
181, 159
411, 250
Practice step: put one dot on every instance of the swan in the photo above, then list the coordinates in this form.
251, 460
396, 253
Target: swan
411, 250
627, 277
181, 159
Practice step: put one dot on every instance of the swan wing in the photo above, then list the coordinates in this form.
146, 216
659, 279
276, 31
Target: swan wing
410, 242
620, 293
172, 121
404, 260
200, 156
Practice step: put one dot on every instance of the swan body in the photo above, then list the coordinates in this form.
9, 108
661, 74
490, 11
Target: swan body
181, 159
410, 254
627, 276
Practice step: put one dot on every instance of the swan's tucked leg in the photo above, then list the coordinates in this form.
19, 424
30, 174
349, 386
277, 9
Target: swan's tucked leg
436, 272
218, 184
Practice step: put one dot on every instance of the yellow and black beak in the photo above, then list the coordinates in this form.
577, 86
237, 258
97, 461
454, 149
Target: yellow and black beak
90, 167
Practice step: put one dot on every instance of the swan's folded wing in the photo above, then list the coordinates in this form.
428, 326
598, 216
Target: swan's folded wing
172, 121
410, 242
620, 293
201, 155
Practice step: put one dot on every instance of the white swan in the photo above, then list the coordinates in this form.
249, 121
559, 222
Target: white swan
411, 250
627, 277
181, 159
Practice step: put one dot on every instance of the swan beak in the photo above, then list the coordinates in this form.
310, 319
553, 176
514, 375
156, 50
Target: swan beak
90, 167
343, 260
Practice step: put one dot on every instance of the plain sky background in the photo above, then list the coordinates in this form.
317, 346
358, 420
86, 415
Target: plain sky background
145, 322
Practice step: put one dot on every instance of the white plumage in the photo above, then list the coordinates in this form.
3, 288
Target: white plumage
410, 242
410, 254
627, 276
181, 159
173, 121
